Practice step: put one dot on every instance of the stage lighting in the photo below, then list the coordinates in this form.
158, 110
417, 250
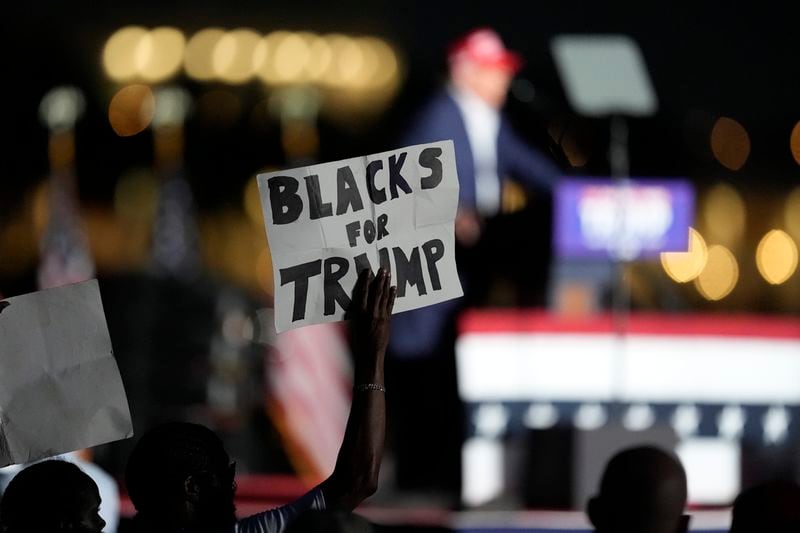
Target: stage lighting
387, 72
794, 142
724, 214
320, 58
198, 56
61, 108
120, 53
159, 54
264, 56
686, 266
232, 57
292, 54
172, 106
131, 110
776, 257
720, 274
350, 61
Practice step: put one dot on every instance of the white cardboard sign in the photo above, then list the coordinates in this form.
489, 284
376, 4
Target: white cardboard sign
328, 222
60, 388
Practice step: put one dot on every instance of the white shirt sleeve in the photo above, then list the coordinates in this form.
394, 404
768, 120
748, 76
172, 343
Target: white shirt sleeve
276, 520
482, 123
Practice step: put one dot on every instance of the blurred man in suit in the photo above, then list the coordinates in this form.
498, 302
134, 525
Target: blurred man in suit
488, 152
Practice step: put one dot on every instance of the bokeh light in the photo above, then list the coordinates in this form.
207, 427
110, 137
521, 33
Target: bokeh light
295, 103
159, 54
776, 257
686, 266
61, 108
232, 56
794, 142
348, 60
360, 74
513, 197
791, 213
719, 276
264, 56
724, 215
119, 53
291, 58
365, 77
730, 143
172, 106
131, 110
320, 57
198, 62
388, 72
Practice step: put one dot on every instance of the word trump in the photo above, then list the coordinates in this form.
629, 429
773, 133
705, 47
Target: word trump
328, 222
408, 271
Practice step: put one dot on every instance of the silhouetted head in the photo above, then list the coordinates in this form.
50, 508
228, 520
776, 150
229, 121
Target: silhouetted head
179, 475
772, 507
329, 521
51, 496
643, 490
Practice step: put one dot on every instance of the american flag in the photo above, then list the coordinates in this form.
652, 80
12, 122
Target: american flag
310, 381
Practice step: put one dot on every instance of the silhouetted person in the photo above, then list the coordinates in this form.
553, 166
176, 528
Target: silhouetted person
180, 478
51, 497
772, 507
329, 521
643, 490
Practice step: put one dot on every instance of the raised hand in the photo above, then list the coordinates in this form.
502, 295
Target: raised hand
468, 228
359, 462
371, 311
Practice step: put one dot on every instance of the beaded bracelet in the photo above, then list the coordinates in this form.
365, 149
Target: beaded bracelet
370, 386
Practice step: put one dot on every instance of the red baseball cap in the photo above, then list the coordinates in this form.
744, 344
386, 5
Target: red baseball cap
484, 46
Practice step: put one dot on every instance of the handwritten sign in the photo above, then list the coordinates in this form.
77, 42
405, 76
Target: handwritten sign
326, 223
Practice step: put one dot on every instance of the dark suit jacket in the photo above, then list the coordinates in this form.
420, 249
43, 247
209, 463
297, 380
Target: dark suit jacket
419, 333
441, 119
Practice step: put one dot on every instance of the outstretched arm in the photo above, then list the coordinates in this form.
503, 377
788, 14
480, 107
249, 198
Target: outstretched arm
532, 168
355, 476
